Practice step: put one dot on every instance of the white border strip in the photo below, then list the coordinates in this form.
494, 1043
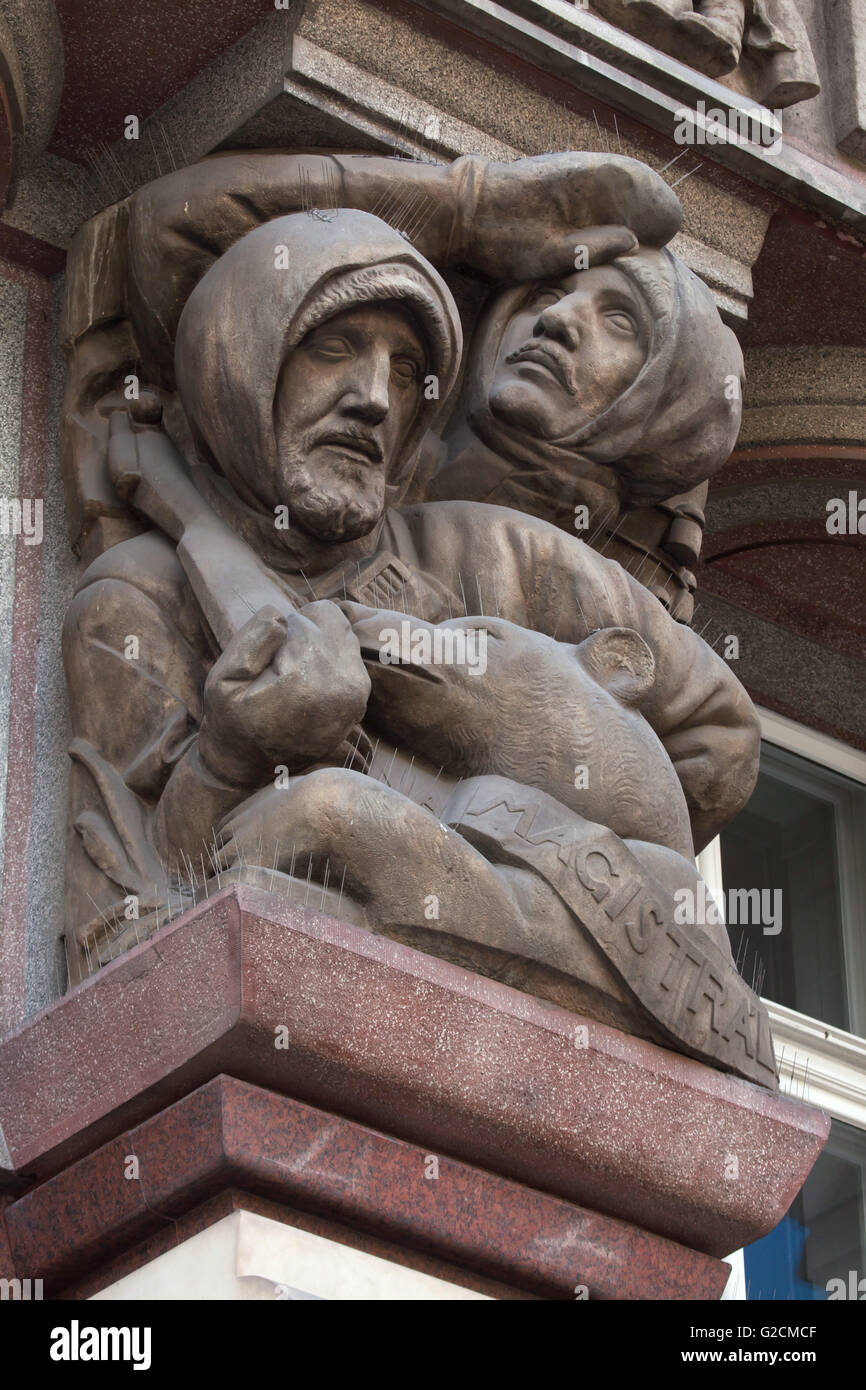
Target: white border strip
820, 1064
818, 748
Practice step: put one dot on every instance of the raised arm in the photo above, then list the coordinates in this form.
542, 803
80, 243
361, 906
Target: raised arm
509, 221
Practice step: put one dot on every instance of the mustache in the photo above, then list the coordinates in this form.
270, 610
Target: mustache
354, 436
552, 356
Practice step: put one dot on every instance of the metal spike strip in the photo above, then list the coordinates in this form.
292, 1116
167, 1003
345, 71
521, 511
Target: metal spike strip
165, 140
342, 882
325, 884
309, 585
423, 214
96, 169
683, 177
306, 192
115, 162
331, 184
671, 161
406, 209
611, 536
601, 525
387, 200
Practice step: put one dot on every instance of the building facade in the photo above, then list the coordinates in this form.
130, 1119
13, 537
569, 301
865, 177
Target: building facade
764, 140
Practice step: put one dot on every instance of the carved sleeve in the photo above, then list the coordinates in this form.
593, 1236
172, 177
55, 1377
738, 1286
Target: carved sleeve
520, 568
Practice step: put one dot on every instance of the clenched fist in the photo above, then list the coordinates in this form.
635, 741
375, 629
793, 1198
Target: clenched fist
286, 691
530, 215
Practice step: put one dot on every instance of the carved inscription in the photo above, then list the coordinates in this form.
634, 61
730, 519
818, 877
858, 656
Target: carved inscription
679, 975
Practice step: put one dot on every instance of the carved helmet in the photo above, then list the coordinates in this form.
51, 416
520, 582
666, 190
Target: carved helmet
247, 313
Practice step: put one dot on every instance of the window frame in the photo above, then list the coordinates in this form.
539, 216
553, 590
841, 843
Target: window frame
818, 1063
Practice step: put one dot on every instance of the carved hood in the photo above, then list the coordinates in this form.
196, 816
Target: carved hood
672, 428
247, 313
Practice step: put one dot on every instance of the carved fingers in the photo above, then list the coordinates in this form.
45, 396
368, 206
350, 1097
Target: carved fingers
251, 652
123, 465
285, 693
556, 213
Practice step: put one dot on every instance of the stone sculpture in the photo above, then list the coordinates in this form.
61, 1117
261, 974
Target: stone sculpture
653, 425
453, 722
762, 46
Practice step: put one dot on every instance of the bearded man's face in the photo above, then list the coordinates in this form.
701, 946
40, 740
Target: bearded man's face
346, 400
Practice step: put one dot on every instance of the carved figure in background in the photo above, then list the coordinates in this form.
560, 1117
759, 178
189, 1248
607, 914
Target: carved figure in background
567, 203
761, 45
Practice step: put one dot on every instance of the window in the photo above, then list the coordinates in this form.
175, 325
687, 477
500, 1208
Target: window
819, 1247
803, 835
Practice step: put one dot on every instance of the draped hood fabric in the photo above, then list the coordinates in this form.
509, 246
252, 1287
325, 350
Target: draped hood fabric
247, 314
672, 428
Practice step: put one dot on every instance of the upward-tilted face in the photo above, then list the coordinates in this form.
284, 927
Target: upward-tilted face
569, 352
346, 400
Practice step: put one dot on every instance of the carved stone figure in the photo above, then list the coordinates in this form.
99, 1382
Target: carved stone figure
236, 706
466, 215
305, 387
463, 214
616, 388
762, 45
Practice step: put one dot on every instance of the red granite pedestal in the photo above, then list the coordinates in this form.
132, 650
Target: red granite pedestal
258, 1054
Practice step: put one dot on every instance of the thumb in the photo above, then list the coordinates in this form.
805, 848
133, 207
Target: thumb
253, 648
371, 624
327, 617
355, 612
602, 244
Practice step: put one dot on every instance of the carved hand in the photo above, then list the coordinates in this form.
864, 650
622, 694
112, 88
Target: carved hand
530, 215
286, 691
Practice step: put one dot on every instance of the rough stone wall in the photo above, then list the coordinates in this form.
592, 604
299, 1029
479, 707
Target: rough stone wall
36, 581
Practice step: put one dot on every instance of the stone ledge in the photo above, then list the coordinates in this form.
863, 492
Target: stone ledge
611, 66
412, 1045
230, 1134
